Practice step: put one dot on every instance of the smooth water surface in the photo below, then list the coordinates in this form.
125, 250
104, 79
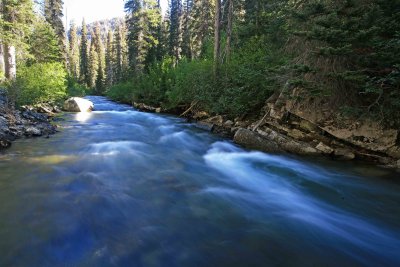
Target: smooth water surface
118, 187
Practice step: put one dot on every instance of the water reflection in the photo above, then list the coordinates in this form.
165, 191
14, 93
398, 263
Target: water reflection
126, 188
83, 116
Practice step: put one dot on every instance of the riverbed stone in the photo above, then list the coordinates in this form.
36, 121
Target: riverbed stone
15, 124
78, 104
33, 131
201, 115
296, 134
253, 140
205, 125
324, 148
3, 124
4, 143
229, 124
3, 98
308, 126
344, 154
34, 116
217, 120
300, 148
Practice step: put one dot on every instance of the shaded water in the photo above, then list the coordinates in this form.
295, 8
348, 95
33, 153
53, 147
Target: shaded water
119, 187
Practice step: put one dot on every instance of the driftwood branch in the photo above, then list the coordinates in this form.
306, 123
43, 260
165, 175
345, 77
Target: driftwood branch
260, 122
190, 108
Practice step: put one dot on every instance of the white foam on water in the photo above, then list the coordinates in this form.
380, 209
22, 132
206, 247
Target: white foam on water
180, 138
118, 147
274, 190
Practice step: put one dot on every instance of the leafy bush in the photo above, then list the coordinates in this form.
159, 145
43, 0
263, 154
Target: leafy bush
40, 82
122, 92
76, 89
242, 86
191, 81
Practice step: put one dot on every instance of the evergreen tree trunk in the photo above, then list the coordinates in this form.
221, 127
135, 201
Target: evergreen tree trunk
10, 62
2, 66
217, 35
229, 30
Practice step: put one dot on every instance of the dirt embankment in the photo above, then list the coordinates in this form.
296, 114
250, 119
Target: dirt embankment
283, 126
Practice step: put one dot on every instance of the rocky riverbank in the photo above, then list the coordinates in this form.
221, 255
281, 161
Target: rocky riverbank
27, 122
281, 128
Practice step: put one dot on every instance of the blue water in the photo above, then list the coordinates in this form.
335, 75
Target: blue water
118, 187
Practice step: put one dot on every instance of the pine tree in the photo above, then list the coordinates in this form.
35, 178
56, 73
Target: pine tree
186, 37
84, 56
53, 12
217, 35
175, 30
43, 43
98, 77
93, 65
201, 25
121, 53
353, 51
152, 31
135, 35
143, 18
73, 52
16, 18
159, 49
110, 60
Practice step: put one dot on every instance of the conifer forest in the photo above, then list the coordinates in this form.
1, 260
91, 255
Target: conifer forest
200, 133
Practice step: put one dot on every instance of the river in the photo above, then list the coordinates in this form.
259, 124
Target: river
118, 187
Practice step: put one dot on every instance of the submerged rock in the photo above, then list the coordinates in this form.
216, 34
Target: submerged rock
77, 104
205, 125
4, 143
344, 154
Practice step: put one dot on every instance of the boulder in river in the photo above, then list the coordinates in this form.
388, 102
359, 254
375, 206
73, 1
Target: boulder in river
78, 104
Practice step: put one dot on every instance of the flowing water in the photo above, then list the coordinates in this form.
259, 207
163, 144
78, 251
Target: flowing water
119, 187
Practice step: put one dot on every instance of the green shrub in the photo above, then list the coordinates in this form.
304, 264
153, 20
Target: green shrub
122, 92
242, 86
76, 89
192, 81
40, 82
